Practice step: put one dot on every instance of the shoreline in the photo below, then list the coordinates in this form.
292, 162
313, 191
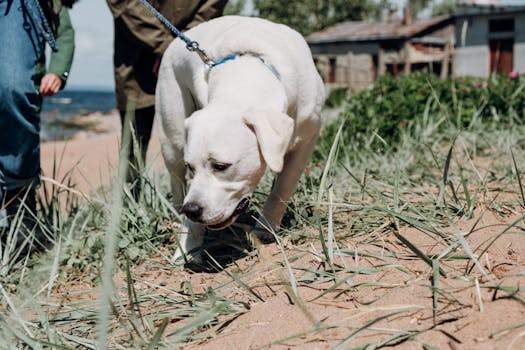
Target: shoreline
88, 160
84, 125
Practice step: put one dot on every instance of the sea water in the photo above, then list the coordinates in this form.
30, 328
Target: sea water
72, 103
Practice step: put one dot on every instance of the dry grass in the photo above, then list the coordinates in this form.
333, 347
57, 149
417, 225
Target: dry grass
419, 249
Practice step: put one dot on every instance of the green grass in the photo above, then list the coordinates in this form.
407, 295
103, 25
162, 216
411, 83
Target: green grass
373, 216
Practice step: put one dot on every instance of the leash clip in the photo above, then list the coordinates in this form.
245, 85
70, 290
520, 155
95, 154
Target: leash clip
193, 46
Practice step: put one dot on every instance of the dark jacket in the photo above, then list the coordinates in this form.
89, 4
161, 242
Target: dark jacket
140, 39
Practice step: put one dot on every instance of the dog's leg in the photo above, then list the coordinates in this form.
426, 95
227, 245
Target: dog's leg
174, 104
192, 234
190, 239
285, 183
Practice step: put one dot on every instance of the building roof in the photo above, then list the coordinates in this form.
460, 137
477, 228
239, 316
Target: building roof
473, 7
366, 31
491, 3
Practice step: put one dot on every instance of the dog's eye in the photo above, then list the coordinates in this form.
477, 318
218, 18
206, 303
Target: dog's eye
220, 166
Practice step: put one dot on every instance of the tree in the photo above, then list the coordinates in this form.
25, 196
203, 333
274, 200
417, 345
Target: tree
307, 16
417, 6
235, 7
445, 7
433, 7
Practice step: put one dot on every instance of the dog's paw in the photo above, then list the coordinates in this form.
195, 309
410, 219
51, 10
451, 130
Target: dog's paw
181, 258
178, 256
263, 234
190, 238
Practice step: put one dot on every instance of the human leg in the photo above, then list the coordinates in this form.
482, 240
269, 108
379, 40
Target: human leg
142, 124
19, 101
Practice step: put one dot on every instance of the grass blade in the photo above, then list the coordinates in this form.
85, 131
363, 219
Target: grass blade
236, 279
112, 233
343, 344
517, 170
329, 161
330, 233
435, 284
470, 253
415, 249
446, 168
158, 334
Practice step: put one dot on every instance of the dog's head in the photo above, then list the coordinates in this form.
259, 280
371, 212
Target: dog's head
226, 154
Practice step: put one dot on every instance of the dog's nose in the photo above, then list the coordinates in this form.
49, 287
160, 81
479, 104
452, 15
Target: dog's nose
192, 211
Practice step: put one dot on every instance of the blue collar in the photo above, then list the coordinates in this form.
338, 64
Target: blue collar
233, 56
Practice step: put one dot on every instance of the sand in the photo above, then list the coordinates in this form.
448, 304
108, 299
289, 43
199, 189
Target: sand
481, 320
89, 159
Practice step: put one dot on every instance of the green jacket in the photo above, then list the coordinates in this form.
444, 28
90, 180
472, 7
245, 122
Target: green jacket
60, 62
140, 39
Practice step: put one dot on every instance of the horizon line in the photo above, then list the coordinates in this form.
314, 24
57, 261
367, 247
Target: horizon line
77, 87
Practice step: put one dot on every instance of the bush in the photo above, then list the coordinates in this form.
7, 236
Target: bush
379, 116
336, 97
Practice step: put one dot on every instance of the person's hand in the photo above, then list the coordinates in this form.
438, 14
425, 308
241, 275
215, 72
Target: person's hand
50, 84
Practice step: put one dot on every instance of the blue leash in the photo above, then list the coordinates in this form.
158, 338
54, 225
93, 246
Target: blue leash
36, 12
234, 56
191, 45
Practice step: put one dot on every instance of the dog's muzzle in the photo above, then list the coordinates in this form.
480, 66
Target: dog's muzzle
241, 207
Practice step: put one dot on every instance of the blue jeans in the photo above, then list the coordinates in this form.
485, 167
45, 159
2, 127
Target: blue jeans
20, 102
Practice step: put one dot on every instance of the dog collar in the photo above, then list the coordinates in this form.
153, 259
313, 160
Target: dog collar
234, 56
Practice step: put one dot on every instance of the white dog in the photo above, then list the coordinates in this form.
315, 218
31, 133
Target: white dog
259, 105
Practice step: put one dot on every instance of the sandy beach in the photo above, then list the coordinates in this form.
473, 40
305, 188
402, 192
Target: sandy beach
90, 157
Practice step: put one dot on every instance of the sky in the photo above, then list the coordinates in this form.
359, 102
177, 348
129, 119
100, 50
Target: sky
93, 63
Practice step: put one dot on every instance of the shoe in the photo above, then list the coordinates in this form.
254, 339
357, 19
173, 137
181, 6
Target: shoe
20, 219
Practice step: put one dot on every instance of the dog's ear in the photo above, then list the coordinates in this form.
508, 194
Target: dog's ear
273, 131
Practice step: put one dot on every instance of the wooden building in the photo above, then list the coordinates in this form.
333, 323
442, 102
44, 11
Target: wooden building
353, 54
490, 37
